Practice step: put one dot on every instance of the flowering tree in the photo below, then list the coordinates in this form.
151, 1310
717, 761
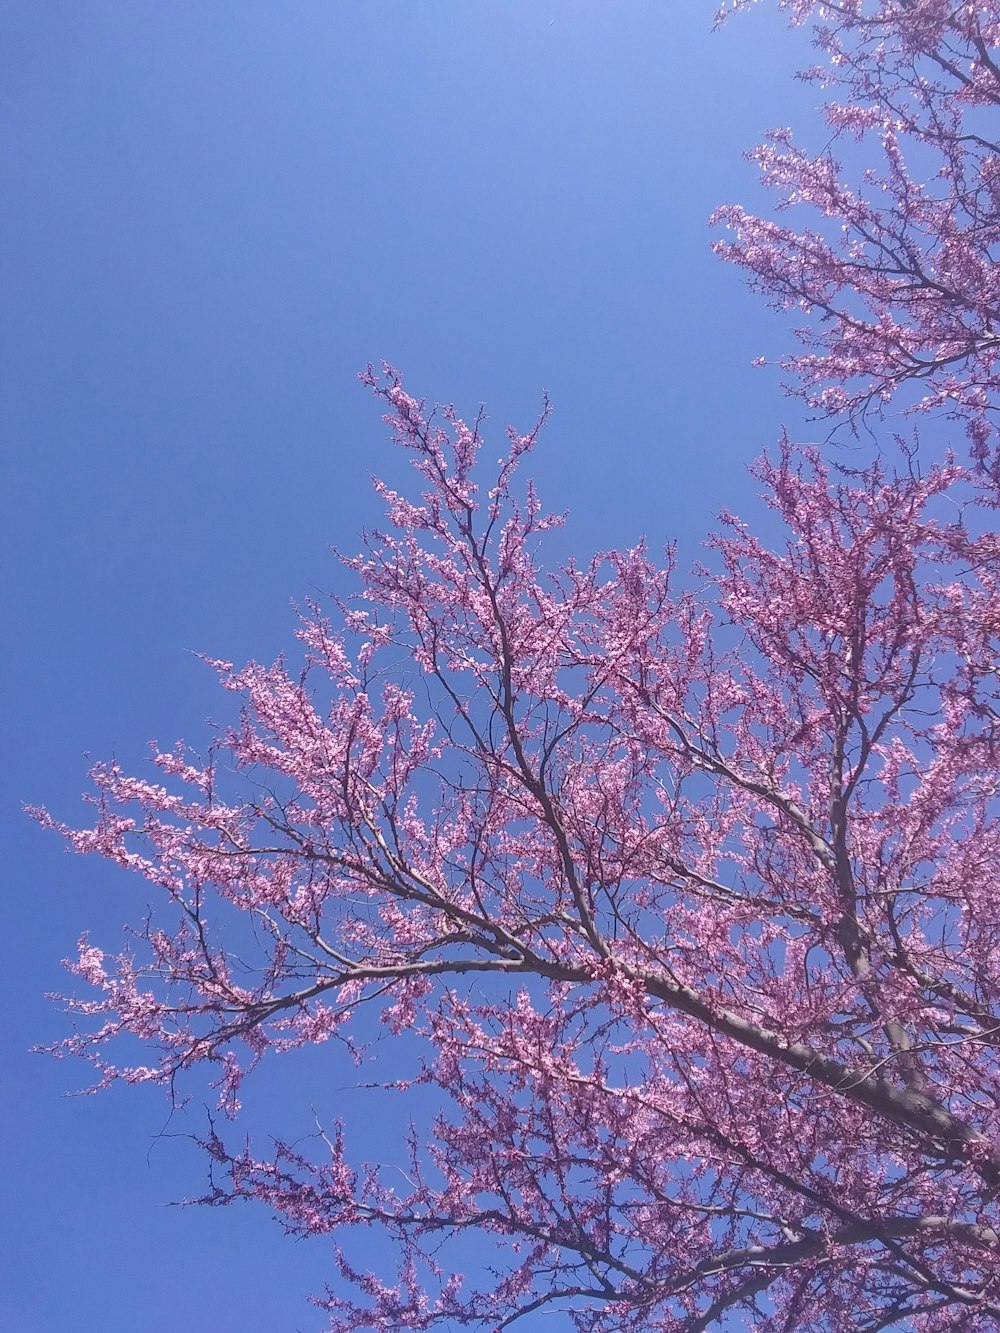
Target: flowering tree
900, 269
689, 898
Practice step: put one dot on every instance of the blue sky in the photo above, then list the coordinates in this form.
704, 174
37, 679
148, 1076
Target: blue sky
217, 213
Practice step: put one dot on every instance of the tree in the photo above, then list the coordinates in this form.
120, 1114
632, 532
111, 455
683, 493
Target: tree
690, 897
901, 267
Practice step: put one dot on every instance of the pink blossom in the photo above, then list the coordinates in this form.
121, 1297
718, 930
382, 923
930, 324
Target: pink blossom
897, 274
691, 899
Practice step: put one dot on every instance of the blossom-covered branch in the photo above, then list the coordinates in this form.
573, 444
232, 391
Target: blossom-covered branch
896, 264
691, 900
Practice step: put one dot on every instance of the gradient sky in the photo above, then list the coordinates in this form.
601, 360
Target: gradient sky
217, 211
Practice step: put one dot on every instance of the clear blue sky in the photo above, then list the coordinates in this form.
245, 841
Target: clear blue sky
217, 211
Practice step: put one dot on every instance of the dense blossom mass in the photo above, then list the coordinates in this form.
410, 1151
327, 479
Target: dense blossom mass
689, 898
898, 271
723, 869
